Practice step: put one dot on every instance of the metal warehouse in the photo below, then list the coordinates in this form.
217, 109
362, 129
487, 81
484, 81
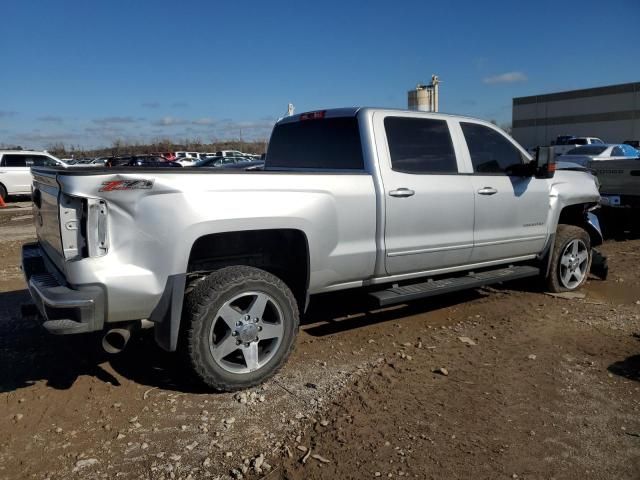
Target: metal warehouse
611, 113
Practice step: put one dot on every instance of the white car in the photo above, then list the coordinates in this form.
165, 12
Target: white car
15, 170
182, 155
586, 153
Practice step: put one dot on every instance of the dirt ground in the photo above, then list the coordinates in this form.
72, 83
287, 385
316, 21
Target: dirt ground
493, 383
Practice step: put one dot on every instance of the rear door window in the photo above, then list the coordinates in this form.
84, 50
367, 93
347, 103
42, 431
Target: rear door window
420, 145
11, 160
316, 144
491, 152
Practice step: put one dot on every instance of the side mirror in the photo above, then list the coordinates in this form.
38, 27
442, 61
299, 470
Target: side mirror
522, 169
545, 162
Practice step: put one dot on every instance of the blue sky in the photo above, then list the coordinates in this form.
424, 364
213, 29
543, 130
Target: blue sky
88, 72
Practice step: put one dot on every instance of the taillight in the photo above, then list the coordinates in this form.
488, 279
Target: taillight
313, 115
83, 227
71, 226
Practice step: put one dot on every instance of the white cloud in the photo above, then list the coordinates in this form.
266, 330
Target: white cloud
169, 121
508, 77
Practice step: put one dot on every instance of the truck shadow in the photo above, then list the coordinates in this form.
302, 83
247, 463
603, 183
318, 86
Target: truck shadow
30, 355
629, 367
338, 312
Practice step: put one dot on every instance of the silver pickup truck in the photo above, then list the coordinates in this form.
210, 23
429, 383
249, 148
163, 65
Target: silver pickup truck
403, 204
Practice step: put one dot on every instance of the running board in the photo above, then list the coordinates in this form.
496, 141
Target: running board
446, 285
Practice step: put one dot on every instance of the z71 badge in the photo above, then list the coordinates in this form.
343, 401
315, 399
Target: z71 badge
126, 185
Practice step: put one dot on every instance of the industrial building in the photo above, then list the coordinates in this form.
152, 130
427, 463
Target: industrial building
611, 113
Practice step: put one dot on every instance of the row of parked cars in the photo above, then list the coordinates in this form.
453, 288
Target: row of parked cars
15, 165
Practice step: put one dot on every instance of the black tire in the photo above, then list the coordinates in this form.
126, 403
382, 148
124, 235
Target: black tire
202, 314
565, 236
3, 193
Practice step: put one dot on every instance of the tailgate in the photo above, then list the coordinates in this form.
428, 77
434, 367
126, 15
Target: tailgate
46, 215
618, 177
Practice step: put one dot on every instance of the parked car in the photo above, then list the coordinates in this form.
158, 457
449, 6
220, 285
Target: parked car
169, 156
229, 162
224, 265
573, 142
583, 155
151, 161
620, 192
562, 139
15, 170
180, 155
139, 161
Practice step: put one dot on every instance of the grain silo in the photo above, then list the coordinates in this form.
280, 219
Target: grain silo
424, 98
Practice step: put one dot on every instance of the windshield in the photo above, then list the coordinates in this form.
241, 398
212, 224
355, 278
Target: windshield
588, 150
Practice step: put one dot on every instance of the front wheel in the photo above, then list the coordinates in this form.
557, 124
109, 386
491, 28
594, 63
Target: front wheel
3, 192
570, 259
239, 327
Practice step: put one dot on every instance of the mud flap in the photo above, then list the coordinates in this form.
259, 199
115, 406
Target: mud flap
168, 313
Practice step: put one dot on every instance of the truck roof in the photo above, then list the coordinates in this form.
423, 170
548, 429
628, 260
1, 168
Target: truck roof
353, 111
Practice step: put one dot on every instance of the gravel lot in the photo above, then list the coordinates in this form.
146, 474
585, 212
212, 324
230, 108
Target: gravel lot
494, 383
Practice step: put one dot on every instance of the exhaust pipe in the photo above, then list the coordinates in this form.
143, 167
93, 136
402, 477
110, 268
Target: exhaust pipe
116, 339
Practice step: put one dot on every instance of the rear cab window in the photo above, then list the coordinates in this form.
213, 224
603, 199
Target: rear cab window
490, 151
316, 144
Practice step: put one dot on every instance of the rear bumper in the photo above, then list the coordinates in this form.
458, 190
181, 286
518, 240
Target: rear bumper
64, 310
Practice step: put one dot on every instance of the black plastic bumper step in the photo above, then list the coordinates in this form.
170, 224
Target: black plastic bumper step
446, 285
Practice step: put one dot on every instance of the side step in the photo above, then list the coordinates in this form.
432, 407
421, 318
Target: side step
446, 285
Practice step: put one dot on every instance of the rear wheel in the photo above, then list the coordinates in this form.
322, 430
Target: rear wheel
239, 328
3, 192
570, 260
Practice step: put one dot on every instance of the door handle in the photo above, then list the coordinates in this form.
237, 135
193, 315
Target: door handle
402, 192
487, 191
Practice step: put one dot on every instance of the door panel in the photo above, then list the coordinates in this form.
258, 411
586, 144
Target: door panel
429, 207
431, 229
511, 222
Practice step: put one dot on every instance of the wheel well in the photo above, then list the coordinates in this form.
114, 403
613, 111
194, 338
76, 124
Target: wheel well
282, 252
577, 215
